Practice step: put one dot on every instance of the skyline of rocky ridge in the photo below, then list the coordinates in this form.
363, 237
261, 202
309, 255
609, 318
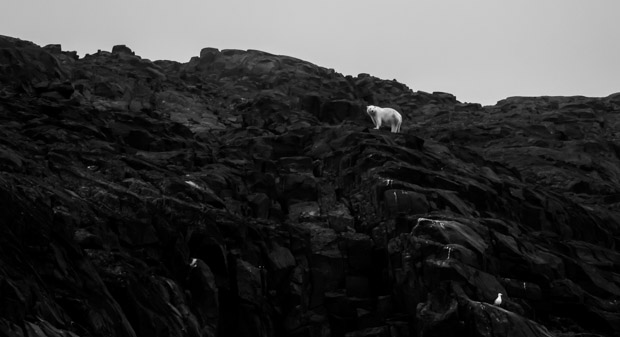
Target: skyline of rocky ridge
244, 193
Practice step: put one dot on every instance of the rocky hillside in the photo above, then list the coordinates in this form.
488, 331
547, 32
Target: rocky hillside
246, 194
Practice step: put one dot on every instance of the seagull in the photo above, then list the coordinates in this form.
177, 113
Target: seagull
498, 300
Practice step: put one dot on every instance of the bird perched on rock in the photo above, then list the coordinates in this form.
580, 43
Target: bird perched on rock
498, 300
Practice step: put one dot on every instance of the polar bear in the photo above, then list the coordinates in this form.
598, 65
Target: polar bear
388, 116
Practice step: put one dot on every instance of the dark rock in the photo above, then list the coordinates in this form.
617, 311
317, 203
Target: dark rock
340, 219
305, 212
205, 299
522, 289
335, 112
121, 48
242, 194
357, 286
298, 187
249, 281
25, 64
296, 164
399, 201
88, 240
209, 54
439, 317
382, 331
260, 204
10, 161
281, 258
488, 320
53, 48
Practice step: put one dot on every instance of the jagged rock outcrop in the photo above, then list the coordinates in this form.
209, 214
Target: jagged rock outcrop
244, 194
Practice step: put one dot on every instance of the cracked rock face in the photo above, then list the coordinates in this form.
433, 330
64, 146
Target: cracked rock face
245, 194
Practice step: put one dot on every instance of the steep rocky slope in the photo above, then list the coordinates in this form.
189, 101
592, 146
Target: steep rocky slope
245, 194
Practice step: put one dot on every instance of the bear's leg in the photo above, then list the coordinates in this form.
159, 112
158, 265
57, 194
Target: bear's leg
396, 128
372, 119
394, 123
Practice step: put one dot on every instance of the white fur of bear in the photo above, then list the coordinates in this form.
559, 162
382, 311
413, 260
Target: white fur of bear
387, 116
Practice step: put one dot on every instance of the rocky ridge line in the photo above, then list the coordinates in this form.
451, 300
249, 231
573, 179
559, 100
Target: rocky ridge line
243, 193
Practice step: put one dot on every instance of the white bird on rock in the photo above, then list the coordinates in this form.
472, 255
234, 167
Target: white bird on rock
498, 300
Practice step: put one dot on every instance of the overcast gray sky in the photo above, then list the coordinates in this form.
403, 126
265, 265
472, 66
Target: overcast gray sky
479, 50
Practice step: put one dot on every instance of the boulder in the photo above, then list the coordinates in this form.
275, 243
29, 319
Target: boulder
122, 49
340, 219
